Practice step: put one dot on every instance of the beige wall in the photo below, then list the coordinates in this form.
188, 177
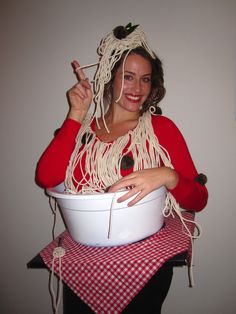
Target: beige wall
196, 40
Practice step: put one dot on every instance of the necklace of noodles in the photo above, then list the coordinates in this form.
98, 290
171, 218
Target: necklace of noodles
103, 160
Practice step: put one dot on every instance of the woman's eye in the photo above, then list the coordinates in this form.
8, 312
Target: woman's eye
128, 77
146, 79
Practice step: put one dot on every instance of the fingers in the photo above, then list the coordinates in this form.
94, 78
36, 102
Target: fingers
135, 191
126, 182
129, 195
79, 96
79, 90
82, 79
85, 83
138, 198
79, 72
132, 190
138, 184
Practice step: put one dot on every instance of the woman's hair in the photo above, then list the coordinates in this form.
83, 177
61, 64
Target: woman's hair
157, 81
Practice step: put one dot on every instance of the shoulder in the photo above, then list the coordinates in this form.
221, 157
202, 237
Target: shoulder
167, 132
163, 124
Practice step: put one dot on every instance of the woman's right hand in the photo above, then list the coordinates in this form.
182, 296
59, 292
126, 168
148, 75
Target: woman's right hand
79, 96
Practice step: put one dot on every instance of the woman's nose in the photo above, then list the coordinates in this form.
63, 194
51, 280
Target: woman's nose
137, 86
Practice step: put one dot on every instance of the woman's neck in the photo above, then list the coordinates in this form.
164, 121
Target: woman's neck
117, 123
115, 116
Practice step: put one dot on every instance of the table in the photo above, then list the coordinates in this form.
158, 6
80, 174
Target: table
71, 300
108, 279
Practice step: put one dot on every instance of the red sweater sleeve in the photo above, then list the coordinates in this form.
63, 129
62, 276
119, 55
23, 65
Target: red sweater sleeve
190, 194
51, 167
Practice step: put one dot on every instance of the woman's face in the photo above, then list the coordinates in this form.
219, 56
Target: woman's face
137, 83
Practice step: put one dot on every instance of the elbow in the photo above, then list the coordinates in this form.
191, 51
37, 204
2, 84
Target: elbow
203, 199
41, 181
196, 204
42, 178
190, 194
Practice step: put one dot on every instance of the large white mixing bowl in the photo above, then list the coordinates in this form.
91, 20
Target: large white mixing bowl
87, 216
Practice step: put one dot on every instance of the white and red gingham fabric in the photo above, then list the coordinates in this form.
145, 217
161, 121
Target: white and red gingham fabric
108, 278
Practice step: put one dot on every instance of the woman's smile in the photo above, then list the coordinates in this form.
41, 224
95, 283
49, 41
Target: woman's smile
133, 98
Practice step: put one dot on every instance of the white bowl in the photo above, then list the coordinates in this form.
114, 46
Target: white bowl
88, 217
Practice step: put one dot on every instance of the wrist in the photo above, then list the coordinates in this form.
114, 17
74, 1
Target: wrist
77, 115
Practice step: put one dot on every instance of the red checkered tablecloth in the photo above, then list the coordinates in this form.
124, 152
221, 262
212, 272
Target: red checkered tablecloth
108, 278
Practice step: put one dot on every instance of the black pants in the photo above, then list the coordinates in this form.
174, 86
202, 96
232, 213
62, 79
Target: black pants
149, 300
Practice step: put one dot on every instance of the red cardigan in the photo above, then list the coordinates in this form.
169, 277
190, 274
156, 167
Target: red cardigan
191, 195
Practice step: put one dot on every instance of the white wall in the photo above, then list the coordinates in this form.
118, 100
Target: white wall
196, 40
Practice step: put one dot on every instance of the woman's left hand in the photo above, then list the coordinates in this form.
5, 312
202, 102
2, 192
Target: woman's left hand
142, 182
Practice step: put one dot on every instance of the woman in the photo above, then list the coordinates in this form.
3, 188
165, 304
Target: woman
128, 145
